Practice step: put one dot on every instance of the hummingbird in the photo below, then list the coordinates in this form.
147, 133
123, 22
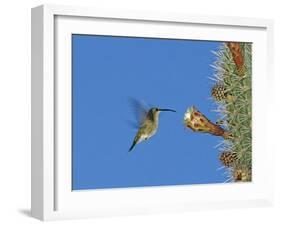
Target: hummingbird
148, 124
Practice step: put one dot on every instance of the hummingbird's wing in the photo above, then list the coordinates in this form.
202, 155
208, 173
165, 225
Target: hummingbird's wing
139, 109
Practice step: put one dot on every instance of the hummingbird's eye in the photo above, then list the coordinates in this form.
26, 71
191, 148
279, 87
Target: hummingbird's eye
157, 109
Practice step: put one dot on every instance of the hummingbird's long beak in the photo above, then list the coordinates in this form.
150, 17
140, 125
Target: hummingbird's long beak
165, 109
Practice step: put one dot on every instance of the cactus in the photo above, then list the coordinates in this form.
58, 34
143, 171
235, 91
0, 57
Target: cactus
218, 92
228, 158
233, 70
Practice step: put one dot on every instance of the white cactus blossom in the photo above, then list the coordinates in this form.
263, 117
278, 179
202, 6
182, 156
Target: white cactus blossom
187, 115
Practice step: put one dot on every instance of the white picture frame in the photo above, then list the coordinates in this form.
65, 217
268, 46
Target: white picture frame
52, 197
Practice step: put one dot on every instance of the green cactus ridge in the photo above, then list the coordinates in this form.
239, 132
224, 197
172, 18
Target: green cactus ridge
237, 111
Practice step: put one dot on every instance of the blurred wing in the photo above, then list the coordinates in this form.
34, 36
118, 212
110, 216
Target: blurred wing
133, 124
139, 109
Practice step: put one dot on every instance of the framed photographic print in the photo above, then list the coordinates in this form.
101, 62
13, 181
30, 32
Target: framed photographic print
137, 112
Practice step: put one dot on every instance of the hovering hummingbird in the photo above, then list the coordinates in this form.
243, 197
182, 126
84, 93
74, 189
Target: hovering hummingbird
148, 122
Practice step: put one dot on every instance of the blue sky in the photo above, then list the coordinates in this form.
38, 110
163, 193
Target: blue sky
163, 72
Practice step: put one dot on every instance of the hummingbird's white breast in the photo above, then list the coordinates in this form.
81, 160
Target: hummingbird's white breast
146, 136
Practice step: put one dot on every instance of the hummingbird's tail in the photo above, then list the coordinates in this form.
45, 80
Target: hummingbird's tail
133, 145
